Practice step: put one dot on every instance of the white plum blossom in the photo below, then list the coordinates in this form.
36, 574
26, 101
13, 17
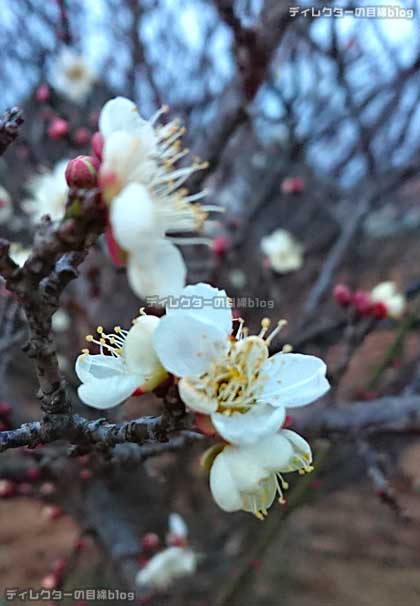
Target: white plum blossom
19, 253
233, 380
249, 477
284, 253
71, 76
127, 364
388, 294
176, 561
6, 208
149, 207
166, 567
49, 193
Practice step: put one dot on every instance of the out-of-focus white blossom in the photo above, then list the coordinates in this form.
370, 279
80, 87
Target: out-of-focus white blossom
249, 477
127, 364
60, 321
388, 294
284, 253
19, 253
166, 567
71, 76
233, 379
172, 563
6, 208
49, 193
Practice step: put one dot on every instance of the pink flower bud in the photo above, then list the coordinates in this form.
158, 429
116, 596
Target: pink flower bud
59, 565
342, 295
42, 93
82, 172
58, 128
47, 489
81, 136
50, 581
25, 489
97, 143
292, 185
220, 246
85, 475
362, 303
150, 541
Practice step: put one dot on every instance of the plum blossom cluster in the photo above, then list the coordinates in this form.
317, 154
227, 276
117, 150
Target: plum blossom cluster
384, 301
165, 566
150, 209
237, 391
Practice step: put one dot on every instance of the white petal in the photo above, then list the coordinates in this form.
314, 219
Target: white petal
177, 525
133, 218
222, 485
206, 303
138, 351
159, 272
292, 380
194, 398
107, 393
119, 114
272, 454
300, 448
250, 427
92, 367
186, 347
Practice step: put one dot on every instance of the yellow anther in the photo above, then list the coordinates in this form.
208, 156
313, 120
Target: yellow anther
100, 330
102, 341
89, 338
142, 312
117, 329
287, 348
85, 351
266, 323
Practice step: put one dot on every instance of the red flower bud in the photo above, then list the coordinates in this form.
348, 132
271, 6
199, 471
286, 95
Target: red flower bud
342, 295
82, 172
362, 303
33, 474
292, 185
97, 143
81, 136
220, 246
380, 310
42, 93
58, 128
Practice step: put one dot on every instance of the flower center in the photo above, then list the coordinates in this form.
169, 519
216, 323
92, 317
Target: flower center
231, 381
112, 343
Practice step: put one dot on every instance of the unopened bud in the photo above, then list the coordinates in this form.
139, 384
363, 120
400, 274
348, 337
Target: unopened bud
58, 128
342, 295
82, 172
362, 303
97, 143
380, 310
81, 136
42, 93
292, 185
220, 246
7, 489
50, 581
150, 541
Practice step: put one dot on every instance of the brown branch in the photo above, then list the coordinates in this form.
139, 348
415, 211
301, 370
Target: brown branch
9, 127
57, 252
